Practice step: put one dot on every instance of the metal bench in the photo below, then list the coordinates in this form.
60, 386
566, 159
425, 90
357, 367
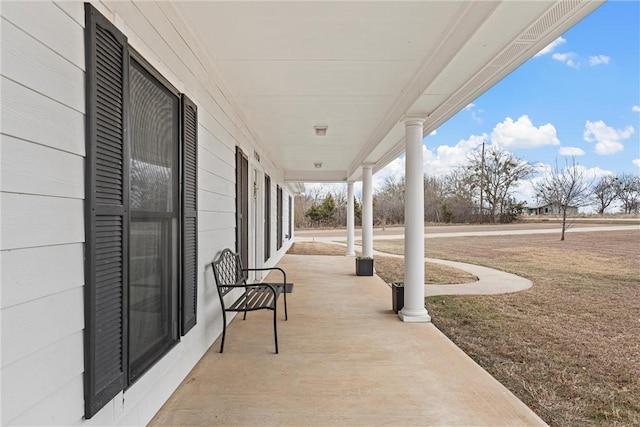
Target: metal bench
229, 275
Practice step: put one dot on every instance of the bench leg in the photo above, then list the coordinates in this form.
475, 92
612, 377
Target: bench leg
224, 329
286, 316
275, 328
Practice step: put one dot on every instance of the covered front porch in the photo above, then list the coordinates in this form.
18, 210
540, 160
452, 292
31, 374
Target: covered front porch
345, 359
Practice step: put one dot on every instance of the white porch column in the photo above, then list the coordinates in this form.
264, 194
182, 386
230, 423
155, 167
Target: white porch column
350, 220
367, 210
414, 310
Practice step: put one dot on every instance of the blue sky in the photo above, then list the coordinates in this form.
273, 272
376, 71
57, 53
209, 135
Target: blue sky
579, 96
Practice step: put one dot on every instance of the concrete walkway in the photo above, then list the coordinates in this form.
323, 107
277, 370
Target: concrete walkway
345, 360
490, 281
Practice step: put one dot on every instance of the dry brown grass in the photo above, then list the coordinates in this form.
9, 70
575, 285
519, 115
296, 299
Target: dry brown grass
388, 268
569, 347
392, 270
315, 248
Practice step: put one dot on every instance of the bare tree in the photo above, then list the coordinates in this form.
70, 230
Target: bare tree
340, 198
495, 175
389, 202
302, 203
605, 192
457, 203
433, 195
564, 188
628, 187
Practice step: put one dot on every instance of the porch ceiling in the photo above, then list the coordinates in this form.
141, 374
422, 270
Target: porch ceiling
359, 67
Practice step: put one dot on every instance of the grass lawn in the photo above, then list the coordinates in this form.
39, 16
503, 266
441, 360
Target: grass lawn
388, 268
569, 347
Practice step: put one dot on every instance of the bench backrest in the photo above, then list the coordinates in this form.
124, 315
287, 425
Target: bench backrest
227, 270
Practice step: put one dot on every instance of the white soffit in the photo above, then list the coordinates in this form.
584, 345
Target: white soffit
358, 67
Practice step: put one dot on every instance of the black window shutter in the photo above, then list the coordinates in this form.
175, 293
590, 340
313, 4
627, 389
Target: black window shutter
189, 214
267, 217
106, 211
242, 207
279, 217
290, 217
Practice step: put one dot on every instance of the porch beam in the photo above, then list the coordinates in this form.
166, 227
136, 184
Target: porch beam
414, 310
367, 210
350, 220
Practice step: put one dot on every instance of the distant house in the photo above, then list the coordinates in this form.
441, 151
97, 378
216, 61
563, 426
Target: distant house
549, 209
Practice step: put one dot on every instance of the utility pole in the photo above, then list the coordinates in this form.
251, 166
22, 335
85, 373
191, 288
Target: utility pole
481, 186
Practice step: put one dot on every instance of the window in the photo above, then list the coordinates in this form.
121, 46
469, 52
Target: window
279, 216
141, 214
267, 217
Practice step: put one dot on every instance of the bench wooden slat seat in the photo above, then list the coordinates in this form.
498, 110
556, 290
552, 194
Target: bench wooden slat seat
229, 275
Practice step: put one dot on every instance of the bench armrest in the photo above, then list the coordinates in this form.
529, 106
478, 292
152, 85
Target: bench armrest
284, 280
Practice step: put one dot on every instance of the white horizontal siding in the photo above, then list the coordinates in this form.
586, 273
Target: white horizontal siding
37, 169
40, 322
30, 221
63, 407
211, 159
32, 379
210, 243
33, 273
210, 124
213, 202
42, 182
216, 220
74, 9
29, 115
214, 183
31, 63
49, 24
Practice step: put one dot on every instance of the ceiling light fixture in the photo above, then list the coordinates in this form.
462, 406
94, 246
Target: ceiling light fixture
317, 165
321, 130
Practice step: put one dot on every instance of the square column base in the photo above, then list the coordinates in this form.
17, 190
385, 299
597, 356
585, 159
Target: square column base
410, 317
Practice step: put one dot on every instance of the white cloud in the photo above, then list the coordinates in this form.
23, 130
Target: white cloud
568, 58
523, 134
636, 108
607, 139
551, 46
636, 162
393, 171
598, 59
433, 132
571, 151
446, 158
471, 108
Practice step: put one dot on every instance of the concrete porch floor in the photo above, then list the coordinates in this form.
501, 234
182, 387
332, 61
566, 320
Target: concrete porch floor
345, 360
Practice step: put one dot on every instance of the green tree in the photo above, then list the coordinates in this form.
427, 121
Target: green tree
324, 213
328, 209
357, 211
314, 214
